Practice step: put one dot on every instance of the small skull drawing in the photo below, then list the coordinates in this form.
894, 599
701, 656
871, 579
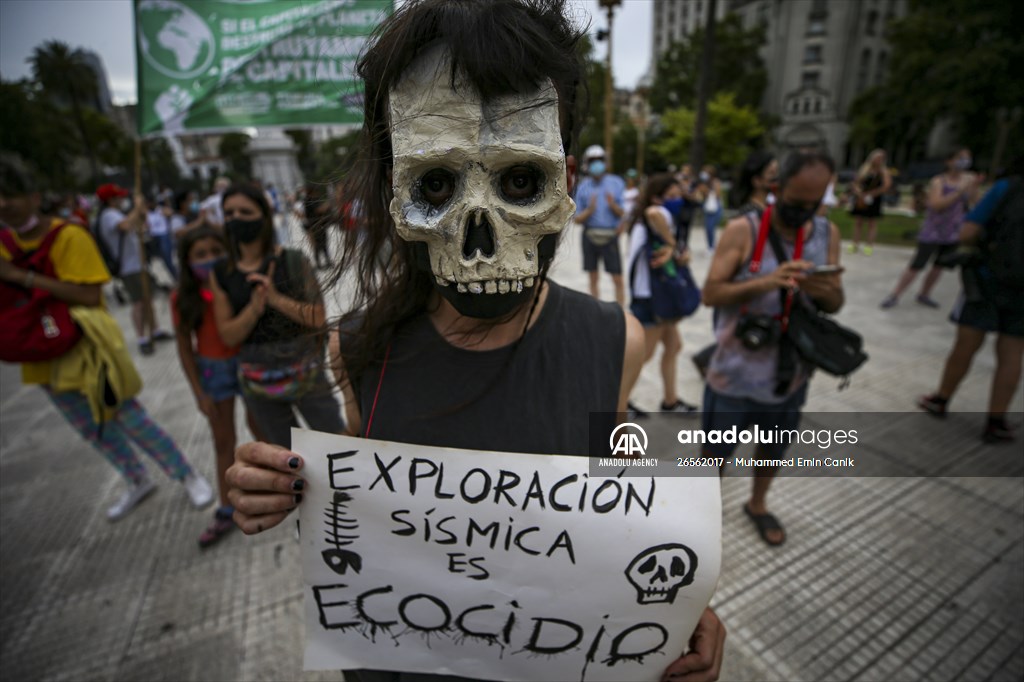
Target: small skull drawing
658, 572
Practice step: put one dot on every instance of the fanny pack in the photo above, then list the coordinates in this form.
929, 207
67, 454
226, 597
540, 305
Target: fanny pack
599, 236
282, 371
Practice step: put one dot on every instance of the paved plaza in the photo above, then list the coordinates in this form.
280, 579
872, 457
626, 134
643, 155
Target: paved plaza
910, 578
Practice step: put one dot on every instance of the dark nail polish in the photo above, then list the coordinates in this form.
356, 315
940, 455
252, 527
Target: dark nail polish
298, 484
298, 498
293, 462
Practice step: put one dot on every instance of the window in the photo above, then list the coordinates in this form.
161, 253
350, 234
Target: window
872, 21
810, 79
880, 67
807, 106
812, 54
819, 8
862, 70
817, 106
815, 27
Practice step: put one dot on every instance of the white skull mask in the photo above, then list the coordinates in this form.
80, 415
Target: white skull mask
481, 183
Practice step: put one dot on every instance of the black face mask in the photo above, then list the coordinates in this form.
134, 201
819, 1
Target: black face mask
244, 231
794, 216
487, 306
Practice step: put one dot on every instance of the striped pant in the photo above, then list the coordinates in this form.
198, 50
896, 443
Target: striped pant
129, 423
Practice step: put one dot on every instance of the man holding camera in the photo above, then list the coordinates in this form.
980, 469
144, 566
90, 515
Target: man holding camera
755, 375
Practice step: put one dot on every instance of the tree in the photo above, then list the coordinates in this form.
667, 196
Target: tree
37, 132
234, 149
738, 67
67, 78
732, 132
951, 59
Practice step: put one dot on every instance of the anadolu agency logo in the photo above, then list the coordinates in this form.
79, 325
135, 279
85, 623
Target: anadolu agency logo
628, 440
173, 39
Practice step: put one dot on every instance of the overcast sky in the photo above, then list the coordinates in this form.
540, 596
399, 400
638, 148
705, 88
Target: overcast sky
105, 27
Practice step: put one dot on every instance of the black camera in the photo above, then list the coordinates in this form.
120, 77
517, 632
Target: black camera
758, 331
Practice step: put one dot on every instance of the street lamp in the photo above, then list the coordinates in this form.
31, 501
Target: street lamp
609, 6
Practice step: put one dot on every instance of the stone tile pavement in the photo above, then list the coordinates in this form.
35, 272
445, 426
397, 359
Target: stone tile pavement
881, 579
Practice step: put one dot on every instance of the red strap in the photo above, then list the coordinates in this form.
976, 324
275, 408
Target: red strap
380, 382
762, 239
11, 244
798, 250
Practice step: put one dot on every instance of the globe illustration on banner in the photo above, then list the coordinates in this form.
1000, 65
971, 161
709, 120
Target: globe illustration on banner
173, 39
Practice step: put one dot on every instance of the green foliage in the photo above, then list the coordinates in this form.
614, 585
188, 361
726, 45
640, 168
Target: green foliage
234, 149
738, 67
951, 58
40, 134
332, 159
732, 132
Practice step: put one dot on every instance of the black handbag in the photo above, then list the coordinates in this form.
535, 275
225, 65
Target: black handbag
816, 337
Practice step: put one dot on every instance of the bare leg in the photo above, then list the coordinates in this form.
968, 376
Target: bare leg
906, 279
671, 345
595, 289
620, 290
222, 424
856, 232
763, 477
148, 316
1009, 351
137, 320
929, 281
872, 231
968, 341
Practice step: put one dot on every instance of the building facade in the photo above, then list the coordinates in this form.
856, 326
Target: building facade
819, 55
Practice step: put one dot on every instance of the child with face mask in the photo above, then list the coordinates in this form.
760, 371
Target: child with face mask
210, 365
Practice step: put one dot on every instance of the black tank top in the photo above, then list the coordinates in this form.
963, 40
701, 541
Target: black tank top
534, 398
288, 279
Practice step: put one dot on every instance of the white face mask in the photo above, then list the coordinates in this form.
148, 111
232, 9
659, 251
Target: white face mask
126, 204
502, 168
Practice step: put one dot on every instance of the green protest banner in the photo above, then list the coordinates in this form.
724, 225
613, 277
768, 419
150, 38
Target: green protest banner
214, 64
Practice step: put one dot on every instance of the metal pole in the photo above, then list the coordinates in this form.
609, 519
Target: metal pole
608, 93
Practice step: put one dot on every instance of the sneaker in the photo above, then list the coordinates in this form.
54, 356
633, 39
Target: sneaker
932, 405
221, 526
868, 250
162, 335
146, 347
889, 302
129, 498
199, 491
853, 248
634, 412
680, 407
926, 301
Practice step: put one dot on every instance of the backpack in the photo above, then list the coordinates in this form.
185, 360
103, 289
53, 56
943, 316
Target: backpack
34, 324
110, 259
1004, 237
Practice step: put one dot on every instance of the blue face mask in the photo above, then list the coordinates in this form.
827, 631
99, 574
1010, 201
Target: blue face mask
203, 269
597, 168
673, 206
194, 207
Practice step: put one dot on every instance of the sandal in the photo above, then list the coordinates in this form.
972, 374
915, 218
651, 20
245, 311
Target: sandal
221, 526
765, 522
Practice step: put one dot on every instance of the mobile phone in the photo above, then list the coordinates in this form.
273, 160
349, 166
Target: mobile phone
823, 269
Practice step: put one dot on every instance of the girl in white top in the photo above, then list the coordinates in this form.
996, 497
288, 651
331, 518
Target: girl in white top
651, 213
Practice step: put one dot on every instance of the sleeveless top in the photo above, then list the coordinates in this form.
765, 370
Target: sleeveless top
738, 372
274, 325
534, 398
639, 264
943, 227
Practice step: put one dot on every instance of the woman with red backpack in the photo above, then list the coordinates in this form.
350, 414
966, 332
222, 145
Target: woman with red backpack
46, 266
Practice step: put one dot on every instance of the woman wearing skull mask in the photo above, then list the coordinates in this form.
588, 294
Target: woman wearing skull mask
266, 300
460, 339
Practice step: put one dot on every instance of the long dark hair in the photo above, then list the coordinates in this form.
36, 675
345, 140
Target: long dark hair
500, 47
190, 300
256, 195
751, 168
656, 185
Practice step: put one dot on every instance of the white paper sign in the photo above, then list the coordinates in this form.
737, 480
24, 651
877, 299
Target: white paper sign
499, 566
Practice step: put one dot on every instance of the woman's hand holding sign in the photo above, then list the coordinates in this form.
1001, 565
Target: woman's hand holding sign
264, 486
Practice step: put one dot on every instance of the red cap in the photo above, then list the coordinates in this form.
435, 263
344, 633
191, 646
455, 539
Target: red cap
110, 191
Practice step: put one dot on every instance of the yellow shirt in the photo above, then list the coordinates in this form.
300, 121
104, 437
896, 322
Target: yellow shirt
76, 259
